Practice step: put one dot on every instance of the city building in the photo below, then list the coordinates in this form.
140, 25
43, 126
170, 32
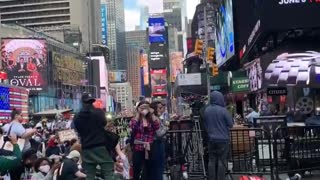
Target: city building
63, 18
134, 70
173, 18
170, 4
123, 95
144, 15
116, 34
137, 38
61, 80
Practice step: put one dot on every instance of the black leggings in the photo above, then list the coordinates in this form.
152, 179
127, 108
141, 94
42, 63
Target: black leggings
140, 164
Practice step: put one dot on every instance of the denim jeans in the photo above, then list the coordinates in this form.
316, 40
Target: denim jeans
158, 159
218, 154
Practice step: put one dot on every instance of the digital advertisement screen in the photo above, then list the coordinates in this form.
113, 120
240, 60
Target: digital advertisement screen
157, 30
254, 73
224, 41
296, 64
159, 82
289, 14
158, 56
25, 61
118, 76
247, 24
176, 66
13, 97
145, 67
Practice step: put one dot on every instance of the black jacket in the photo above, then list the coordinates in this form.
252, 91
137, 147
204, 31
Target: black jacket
90, 124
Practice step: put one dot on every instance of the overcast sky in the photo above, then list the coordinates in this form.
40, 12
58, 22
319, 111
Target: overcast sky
132, 11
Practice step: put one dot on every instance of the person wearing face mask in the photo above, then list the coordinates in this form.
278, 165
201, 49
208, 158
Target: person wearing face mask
15, 127
144, 127
42, 170
24, 170
158, 146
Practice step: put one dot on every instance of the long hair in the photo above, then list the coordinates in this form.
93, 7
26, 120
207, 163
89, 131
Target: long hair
148, 116
154, 106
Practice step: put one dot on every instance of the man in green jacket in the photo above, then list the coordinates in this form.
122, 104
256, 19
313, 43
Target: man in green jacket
7, 163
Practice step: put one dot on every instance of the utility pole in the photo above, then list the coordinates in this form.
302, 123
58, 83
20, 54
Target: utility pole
205, 53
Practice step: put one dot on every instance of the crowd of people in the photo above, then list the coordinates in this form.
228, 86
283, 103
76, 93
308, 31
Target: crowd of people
38, 153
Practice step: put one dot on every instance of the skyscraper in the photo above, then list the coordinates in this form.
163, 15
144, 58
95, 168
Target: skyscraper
136, 40
64, 18
116, 34
144, 15
134, 70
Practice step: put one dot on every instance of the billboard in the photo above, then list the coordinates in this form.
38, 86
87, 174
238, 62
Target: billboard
118, 76
104, 24
158, 57
157, 30
26, 63
13, 97
290, 14
145, 67
159, 82
224, 36
254, 73
176, 66
67, 69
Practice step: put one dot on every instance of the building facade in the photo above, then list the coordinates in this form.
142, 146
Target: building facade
123, 95
137, 38
134, 70
144, 15
57, 16
116, 34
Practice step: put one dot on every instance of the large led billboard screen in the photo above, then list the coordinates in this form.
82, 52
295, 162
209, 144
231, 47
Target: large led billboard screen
118, 76
158, 56
159, 82
25, 61
157, 30
176, 66
224, 36
145, 67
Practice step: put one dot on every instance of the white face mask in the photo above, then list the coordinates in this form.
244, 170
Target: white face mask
44, 169
145, 112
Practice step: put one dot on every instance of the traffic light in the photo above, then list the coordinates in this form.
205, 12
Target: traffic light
215, 70
210, 54
198, 47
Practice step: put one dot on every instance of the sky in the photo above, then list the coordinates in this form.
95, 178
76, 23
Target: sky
132, 11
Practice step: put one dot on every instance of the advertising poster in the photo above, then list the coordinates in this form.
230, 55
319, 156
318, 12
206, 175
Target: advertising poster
159, 82
224, 33
67, 69
254, 73
25, 61
145, 68
118, 76
176, 66
157, 30
158, 57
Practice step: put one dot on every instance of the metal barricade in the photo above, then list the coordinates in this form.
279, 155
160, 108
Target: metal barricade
251, 152
297, 149
185, 148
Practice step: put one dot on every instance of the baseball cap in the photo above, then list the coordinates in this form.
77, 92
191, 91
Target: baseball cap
74, 154
87, 98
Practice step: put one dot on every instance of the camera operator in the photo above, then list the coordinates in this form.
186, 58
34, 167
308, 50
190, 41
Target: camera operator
8, 163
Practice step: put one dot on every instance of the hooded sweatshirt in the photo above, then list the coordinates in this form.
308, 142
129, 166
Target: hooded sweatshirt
218, 120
